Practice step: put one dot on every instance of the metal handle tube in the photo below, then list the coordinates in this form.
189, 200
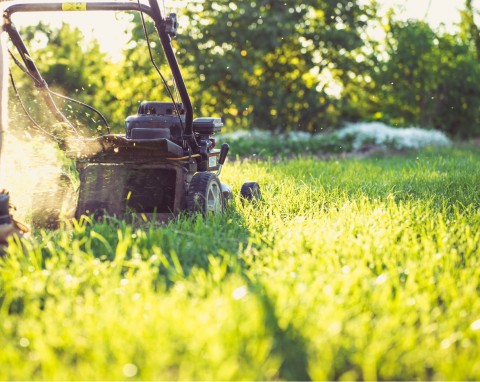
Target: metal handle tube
177, 74
89, 6
32, 68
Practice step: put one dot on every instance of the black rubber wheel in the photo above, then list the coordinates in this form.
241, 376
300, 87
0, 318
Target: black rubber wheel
205, 194
251, 191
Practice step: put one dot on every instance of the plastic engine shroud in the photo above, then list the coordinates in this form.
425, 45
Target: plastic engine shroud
155, 120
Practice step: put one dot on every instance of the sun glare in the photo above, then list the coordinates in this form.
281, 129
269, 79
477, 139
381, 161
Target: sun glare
435, 12
108, 28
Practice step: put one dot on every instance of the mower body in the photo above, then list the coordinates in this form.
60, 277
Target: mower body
164, 162
144, 171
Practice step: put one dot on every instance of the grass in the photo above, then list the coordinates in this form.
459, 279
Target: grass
348, 269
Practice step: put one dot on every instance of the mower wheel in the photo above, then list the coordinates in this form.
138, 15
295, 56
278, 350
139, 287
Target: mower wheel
205, 194
251, 191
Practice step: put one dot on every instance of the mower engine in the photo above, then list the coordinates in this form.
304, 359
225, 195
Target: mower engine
147, 171
156, 120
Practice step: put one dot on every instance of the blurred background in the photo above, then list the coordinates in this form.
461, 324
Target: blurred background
282, 66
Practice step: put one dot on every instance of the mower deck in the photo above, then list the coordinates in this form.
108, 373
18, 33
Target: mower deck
154, 190
117, 148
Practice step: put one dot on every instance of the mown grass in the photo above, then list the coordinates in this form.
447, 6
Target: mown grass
348, 269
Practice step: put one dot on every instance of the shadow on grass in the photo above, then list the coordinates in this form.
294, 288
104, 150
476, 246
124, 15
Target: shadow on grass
185, 244
288, 342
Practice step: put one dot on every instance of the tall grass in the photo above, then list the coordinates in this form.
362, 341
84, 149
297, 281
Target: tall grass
347, 269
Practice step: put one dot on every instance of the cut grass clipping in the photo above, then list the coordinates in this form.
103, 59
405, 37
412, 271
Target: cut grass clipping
348, 269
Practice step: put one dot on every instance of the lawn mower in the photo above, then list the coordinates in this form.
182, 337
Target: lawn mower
166, 160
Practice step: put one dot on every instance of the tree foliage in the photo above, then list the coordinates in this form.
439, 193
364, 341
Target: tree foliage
71, 67
430, 79
282, 66
421, 77
271, 63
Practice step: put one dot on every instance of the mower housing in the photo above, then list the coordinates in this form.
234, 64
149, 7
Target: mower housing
164, 163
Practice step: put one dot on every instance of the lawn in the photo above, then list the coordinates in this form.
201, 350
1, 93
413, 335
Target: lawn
348, 269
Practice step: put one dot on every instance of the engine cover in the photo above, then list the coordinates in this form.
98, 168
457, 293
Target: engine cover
156, 120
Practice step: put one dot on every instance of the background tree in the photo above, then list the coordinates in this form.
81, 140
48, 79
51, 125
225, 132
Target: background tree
269, 63
469, 30
282, 66
70, 66
430, 79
